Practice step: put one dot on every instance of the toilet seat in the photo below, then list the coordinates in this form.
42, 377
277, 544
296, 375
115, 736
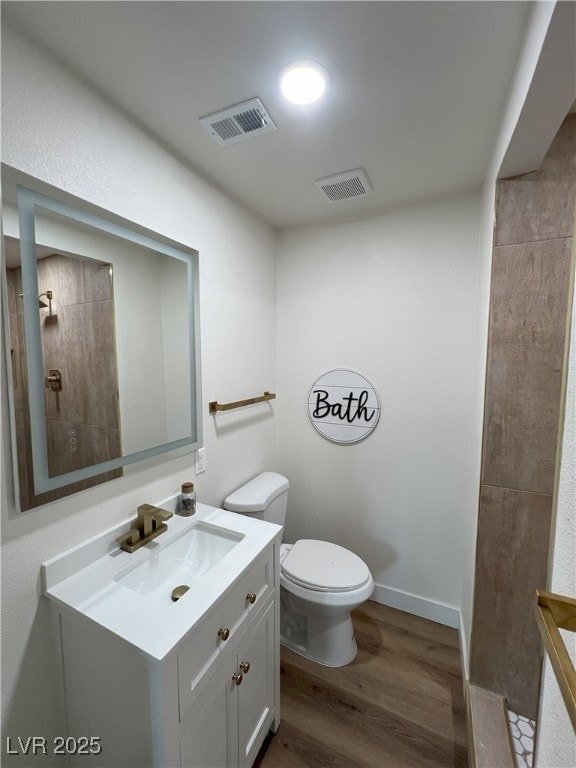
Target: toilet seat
324, 567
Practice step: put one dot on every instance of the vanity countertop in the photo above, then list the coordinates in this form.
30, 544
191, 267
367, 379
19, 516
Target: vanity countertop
85, 579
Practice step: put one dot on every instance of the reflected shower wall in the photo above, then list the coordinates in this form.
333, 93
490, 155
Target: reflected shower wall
82, 419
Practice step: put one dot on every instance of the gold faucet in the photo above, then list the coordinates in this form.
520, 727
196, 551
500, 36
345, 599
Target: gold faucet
150, 523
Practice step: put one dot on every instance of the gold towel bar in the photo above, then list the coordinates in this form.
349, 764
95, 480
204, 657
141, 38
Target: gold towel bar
216, 406
555, 612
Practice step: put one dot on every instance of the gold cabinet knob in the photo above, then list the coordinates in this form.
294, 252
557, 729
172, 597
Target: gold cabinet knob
224, 634
245, 666
251, 597
237, 677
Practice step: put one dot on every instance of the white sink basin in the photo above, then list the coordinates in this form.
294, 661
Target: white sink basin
130, 594
181, 562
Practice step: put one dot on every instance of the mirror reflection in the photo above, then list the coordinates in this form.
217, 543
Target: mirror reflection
102, 347
75, 302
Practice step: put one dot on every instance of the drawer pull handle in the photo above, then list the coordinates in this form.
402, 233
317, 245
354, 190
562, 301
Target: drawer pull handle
251, 597
237, 677
224, 634
245, 666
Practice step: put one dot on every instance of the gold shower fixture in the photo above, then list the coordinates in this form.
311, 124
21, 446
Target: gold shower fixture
54, 380
43, 304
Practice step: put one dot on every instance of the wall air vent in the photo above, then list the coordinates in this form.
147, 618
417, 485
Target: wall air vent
343, 186
239, 122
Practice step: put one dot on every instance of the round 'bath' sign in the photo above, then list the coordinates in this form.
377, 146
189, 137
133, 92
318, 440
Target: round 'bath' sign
343, 406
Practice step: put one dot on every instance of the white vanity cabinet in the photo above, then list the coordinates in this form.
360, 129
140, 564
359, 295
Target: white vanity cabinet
227, 675
209, 701
233, 707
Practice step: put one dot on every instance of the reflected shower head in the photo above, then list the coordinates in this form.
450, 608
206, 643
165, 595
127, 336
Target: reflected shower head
42, 304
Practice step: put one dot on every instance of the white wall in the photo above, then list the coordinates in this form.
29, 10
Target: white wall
174, 298
470, 522
396, 298
56, 129
139, 343
556, 745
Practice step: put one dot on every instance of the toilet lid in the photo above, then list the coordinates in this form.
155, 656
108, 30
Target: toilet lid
320, 565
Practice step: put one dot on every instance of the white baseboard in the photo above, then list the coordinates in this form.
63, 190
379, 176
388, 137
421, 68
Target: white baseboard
427, 609
419, 606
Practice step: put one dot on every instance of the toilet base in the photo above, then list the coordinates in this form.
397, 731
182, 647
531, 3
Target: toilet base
326, 639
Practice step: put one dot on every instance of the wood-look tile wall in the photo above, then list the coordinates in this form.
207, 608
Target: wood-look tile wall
528, 307
526, 347
82, 420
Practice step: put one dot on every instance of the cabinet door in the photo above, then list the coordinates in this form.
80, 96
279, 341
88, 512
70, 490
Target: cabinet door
232, 613
211, 738
256, 692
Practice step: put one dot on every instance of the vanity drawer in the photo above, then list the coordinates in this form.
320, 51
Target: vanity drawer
218, 630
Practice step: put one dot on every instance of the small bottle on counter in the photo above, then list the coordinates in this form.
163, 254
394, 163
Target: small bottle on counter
187, 499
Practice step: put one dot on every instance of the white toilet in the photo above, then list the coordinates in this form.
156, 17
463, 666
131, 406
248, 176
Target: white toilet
321, 583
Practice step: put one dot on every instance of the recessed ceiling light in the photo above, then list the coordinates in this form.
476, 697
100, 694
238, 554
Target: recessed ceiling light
303, 82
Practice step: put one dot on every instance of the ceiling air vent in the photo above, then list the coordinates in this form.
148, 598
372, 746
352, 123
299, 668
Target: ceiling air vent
343, 186
238, 122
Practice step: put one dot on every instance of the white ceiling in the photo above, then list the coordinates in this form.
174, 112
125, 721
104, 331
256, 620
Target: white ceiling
416, 94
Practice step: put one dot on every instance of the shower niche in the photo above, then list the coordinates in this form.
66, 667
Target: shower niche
103, 348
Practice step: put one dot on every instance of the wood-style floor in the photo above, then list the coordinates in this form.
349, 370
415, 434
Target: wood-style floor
398, 705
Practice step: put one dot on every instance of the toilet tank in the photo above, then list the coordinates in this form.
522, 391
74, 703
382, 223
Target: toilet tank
265, 497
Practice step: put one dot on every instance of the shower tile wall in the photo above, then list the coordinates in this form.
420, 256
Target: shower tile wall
528, 307
78, 339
